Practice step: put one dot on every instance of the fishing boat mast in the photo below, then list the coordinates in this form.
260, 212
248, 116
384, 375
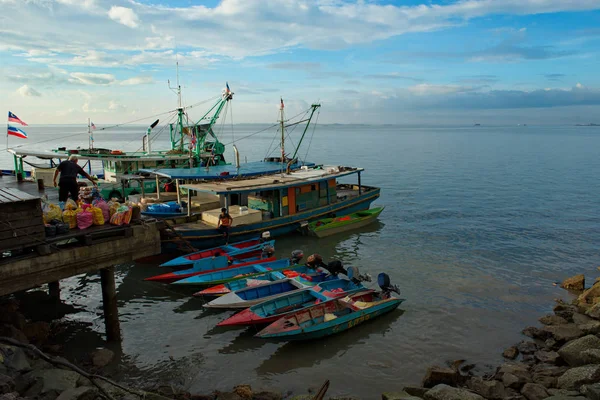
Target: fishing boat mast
282, 133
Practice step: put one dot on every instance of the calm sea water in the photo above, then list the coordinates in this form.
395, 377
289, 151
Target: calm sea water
479, 223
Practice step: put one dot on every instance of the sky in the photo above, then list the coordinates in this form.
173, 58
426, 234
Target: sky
366, 61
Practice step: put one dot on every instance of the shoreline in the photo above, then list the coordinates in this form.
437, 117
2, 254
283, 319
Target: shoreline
559, 360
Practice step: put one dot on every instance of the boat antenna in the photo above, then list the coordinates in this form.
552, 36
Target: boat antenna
177, 91
282, 133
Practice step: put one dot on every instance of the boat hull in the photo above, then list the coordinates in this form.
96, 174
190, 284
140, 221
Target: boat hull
276, 227
234, 249
359, 223
229, 275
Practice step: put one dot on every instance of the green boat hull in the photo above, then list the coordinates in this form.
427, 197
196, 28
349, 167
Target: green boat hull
331, 226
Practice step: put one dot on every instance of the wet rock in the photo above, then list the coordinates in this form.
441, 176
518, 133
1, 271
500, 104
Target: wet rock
563, 333
533, 391
439, 375
576, 282
398, 396
563, 392
536, 333
102, 357
591, 356
590, 328
591, 391
545, 374
513, 381
80, 393
589, 296
546, 381
553, 320
511, 353
13, 333
580, 319
445, 392
490, 389
244, 391
571, 352
416, 391
551, 344
514, 368
529, 359
7, 384
512, 394
37, 332
565, 311
561, 397
549, 357
267, 396
14, 358
594, 311
527, 347
198, 397
575, 377
55, 379
9, 396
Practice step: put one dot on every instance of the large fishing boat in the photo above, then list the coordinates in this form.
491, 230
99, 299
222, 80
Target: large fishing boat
191, 145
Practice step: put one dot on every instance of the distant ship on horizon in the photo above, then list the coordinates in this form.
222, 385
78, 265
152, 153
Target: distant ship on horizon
590, 124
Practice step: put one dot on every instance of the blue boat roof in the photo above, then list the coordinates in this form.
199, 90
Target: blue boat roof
254, 168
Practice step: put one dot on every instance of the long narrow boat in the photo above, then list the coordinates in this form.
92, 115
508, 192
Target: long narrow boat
207, 265
228, 275
330, 226
271, 310
330, 317
230, 249
222, 289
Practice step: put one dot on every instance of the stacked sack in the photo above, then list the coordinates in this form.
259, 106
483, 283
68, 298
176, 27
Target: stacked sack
70, 214
121, 216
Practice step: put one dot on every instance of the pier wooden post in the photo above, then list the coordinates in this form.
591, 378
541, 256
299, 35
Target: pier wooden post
54, 290
359, 184
109, 304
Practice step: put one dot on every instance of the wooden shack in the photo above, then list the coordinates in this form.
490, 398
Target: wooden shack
21, 222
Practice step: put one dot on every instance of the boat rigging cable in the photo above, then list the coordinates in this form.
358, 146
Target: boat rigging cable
311, 136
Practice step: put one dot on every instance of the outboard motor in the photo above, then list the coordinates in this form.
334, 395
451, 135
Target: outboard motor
268, 251
354, 275
383, 280
297, 255
265, 236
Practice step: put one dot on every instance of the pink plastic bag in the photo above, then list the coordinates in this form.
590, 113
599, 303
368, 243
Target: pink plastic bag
85, 219
103, 205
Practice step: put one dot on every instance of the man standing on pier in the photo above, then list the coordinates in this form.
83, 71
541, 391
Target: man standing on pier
67, 184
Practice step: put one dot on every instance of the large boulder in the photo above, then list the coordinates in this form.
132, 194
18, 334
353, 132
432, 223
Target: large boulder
7, 384
244, 391
576, 282
571, 352
527, 347
417, 391
536, 333
511, 353
490, 389
594, 311
580, 319
437, 375
398, 396
575, 377
533, 391
590, 356
102, 357
590, 328
590, 295
591, 391
546, 374
563, 333
565, 311
548, 357
553, 320
563, 397
55, 379
445, 392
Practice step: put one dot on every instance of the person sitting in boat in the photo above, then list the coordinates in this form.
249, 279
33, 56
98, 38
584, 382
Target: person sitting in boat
67, 184
224, 224
334, 267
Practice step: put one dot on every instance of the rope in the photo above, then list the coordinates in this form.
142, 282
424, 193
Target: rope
311, 136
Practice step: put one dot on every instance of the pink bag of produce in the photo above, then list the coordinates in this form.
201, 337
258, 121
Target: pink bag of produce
85, 219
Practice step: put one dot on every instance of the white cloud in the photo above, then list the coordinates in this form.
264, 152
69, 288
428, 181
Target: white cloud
124, 15
114, 106
426, 89
26, 91
87, 78
138, 80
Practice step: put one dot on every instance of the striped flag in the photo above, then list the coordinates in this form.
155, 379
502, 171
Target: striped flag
16, 132
13, 118
92, 125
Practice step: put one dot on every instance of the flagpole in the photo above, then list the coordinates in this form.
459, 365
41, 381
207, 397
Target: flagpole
89, 135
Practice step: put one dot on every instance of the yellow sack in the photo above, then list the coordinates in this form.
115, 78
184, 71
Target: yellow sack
112, 207
52, 211
70, 217
97, 216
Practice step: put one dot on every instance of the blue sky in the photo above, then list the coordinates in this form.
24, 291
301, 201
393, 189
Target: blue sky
485, 61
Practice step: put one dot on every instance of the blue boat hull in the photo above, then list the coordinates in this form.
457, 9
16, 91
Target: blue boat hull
276, 227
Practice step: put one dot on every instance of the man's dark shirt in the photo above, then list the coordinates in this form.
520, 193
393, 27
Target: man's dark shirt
69, 170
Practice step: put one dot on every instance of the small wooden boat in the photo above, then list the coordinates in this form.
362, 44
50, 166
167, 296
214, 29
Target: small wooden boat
230, 249
330, 226
231, 274
271, 310
222, 289
334, 316
219, 263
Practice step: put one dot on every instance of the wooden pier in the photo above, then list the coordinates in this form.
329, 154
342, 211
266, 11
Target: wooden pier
29, 259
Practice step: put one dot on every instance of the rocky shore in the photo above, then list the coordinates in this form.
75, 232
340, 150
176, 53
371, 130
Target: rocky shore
560, 360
